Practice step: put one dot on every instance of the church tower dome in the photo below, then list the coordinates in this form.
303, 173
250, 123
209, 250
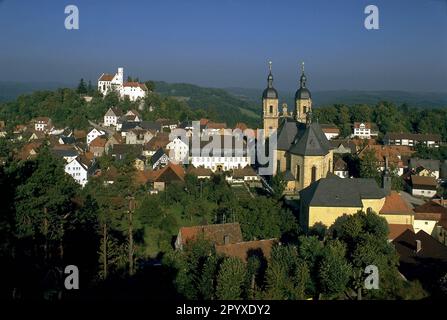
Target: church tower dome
270, 113
303, 99
270, 92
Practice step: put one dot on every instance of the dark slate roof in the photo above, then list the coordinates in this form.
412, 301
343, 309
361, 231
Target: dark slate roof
68, 140
150, 125
427, 265
302, 93
157, 155
65, 152
429, 164
313, 142
287, 132
129, 125
270, 93
123, 149
331, 192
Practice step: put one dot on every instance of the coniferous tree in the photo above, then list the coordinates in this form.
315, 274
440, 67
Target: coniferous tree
82, 88
231, 279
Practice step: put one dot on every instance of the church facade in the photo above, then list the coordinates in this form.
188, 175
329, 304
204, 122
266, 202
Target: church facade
303, 153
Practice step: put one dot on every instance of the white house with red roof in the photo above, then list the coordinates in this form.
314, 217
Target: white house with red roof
132, 90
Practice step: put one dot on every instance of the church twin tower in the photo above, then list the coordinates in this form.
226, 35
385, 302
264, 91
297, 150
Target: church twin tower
270, 103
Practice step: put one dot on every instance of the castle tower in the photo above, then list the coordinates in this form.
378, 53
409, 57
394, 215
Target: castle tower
270, 113
120, 78
303, 99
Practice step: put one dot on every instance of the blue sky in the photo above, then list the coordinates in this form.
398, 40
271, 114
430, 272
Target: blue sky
225, 43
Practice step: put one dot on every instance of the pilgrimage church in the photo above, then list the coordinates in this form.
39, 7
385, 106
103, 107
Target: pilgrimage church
303, 153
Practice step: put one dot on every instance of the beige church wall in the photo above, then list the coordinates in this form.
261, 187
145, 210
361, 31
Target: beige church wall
398, 218
328, 215
300, 104
270, 102
375, 204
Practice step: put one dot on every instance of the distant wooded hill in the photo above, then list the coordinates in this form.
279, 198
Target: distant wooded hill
325, 98
244, 105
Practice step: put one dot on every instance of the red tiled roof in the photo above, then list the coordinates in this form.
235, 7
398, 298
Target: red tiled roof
423, 181
396, 230
106, 77
215, 233
395, 204
98, 142
367, 125
135, 85
243, 250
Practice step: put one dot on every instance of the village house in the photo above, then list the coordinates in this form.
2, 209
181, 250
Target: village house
330, 131
421, 258
98, 145
412, 139
121, 151
29, 151
187, 126
363, 130
423, 186
159, 180
42, 124
80, 169
67, 140
138, 136
398, 213
159, 160
116, 138
178, 150
68, 153
214, 128
243, 175
432, 218
93, 134
395, 155
217, 234
200, 172
221, 153
133, 90
261, 249
161, 140
341, 168
425, 167
167, 123
341, 146
140, 163
133, 116
112, 116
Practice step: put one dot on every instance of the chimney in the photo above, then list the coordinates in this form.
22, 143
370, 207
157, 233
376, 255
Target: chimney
418, 246
226, 239
386, 182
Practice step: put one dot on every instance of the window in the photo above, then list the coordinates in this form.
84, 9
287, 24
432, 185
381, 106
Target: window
314, 174
298, 172
278, 166
271, 109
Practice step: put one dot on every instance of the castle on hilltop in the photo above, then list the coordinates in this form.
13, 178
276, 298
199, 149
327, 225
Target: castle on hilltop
132, 90
303, 153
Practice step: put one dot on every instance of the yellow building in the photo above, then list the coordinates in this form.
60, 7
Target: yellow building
302, 150
328, 199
